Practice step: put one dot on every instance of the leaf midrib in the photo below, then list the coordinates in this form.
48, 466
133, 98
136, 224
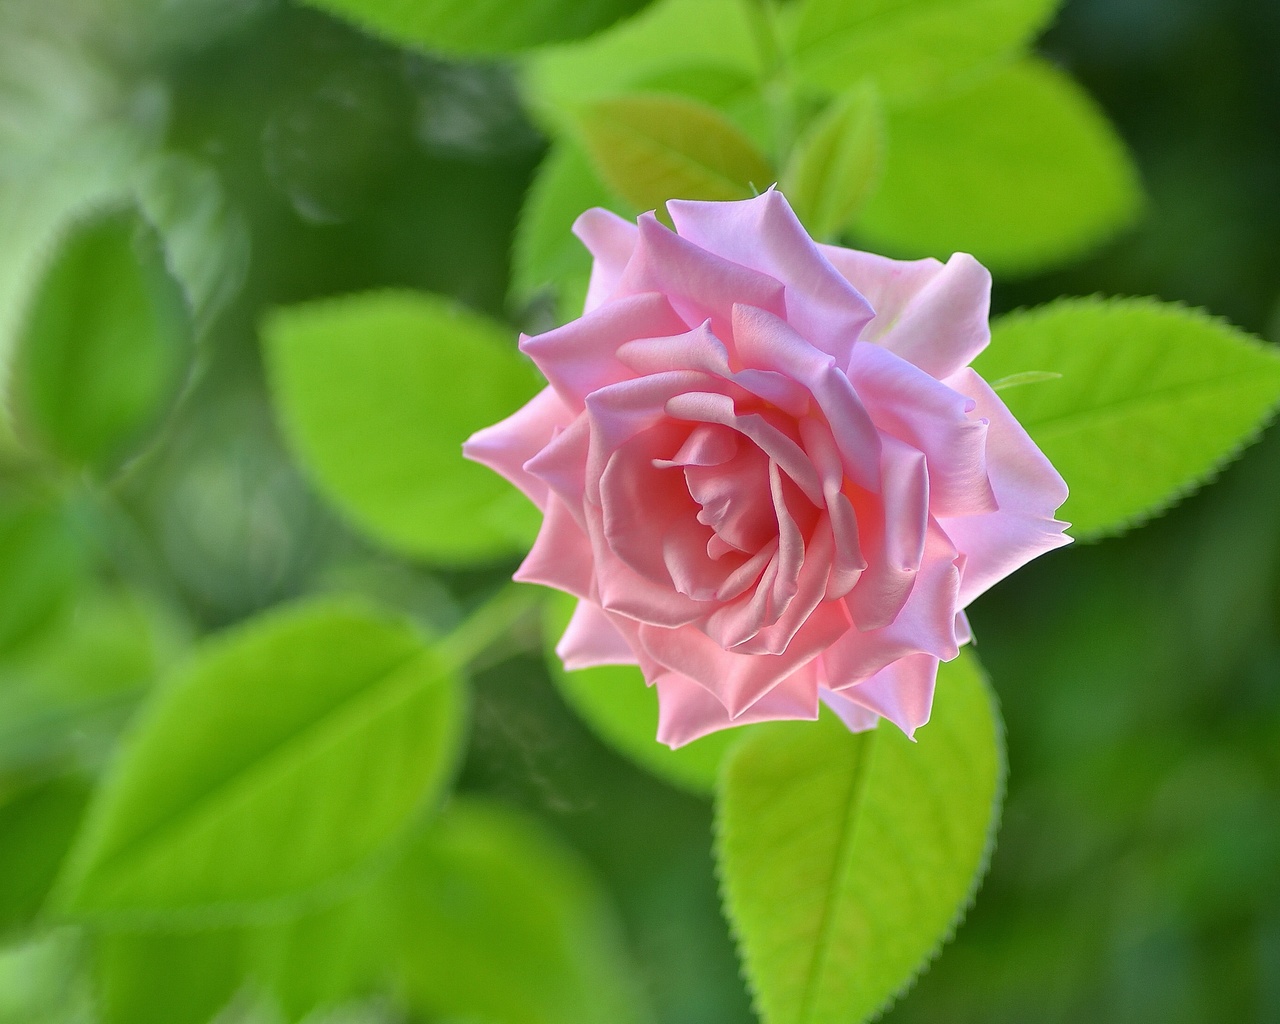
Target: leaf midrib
312, 733
839, 871
1063, 422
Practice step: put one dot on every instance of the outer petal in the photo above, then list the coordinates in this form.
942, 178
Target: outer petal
1027, 488
610, 240
591, 639
561, 556
930, 314
764, 234
581, 356
855, 716
925, 625
699, 284
901, 692
687, 711
905, 401
507, 445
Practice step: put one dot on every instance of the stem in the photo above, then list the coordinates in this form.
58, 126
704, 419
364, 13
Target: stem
480, 633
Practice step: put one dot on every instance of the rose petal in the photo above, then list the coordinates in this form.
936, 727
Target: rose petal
610, 240
929, 314
901, 692
855, 716
687, 711
591, 639
764, 234
582, 356
506, 446
891, 532
699, 284
934, 419
561, 556
1028, 491
766, 341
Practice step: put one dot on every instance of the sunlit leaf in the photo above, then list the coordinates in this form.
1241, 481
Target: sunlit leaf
666, 36
481, 26
104, 342
284, 755
615, 702
651, 148
1152, 400
498, 922
910, 47
1021, 169
377, 392
847, 859
836, 164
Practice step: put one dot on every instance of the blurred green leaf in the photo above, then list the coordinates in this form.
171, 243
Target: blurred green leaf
911, 47
665, 36
64, 696
1172, 391
651, 148
43, 551
846, 859
615, 702
546, 252
1021, 169
481, 26
103, 343
377, 392
206, 240
166, 977
42, 980
836, 163
326, 956
735, 93
285, 755
498, 922
37, 824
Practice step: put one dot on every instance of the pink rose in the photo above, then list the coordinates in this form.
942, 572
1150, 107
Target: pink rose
767, 472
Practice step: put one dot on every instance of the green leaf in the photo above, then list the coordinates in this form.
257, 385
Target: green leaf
481, 26
847, 859
166, 977
1153, 399
104, 342
37, 824
206, 241
910, 47
284, 755
65, 695
326, 956
377, 392
836, 164
651, 148
498, 922
615, 702
664, 37
43, 551
546, 253
1022, 170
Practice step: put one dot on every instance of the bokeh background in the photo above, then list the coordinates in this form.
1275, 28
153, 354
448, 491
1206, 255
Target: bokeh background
1137, 877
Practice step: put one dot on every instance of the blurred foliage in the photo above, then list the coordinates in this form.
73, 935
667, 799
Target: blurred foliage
174, 171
